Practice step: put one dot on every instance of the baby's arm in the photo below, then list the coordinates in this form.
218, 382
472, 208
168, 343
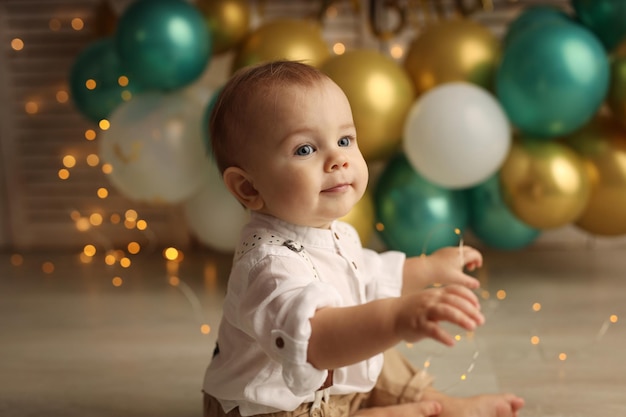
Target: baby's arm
342, 336
444, 266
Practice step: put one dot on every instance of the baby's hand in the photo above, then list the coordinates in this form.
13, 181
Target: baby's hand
419, 314
447, 265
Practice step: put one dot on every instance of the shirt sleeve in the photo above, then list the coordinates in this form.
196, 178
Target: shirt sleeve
386, 270
281, 298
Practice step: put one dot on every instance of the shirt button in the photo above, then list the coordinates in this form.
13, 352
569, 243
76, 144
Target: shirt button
280, 343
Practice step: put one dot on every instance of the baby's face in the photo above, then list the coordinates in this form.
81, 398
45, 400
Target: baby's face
304, 159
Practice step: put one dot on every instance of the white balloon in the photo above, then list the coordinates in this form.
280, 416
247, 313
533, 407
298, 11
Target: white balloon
214, 216
156, 148
456, 135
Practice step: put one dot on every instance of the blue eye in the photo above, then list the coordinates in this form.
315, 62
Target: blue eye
344, 141
305, 150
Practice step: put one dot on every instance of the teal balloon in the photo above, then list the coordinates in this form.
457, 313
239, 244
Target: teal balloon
418, 217
100, 63
491, 220
605, 18
533, 16
164, 43
552, 79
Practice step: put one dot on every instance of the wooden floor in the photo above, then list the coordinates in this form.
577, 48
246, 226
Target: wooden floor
74, 342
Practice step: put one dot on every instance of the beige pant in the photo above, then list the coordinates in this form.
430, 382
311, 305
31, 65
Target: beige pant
399, 382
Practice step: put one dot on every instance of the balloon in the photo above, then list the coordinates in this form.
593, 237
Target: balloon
292, 39
456, 135
155, 148
491, 219
602, 146
553, 79
361, 217
533, 16
414, 215
453, 50
165, 43
213, 215
228, 21
606, 18
545, 184
380, 93
616, 98
99, 64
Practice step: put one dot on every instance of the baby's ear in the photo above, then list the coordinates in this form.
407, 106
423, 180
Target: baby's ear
239, 184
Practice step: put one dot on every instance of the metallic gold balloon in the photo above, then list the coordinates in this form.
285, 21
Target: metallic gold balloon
292, 39
602, 145
453, 50
361, 217
545, 184
380, 93
228, 21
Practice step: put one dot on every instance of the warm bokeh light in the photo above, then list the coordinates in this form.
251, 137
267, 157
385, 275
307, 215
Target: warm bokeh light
17, 44
484, 294
69, 161
122, 81
501, 294
125, 262
47, 267
534, 340
396, 51
31, 107
85, 258
62, 96
109, 259
536, 306
91, 84
126, 95
131, 214
613, 318
77, 23
63, 174
142, 224
174, 281
129, 224
380, 227
104, 124
75, 215
562, 356
92, 160
171, 254
89, 250
102, 192
83, 224
17, 259
463, 377
90, 134
96, 219
54, 25
107, 168
205, 329
116, 281
339, 48
133, 248
115, 218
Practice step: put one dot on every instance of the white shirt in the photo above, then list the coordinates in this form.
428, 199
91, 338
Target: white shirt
273, 292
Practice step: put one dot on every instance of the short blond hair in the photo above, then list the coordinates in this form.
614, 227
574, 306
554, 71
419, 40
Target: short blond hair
240, 95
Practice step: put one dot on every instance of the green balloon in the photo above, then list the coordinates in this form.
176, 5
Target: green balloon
492, 221
605, 18
418, 217
99, 64
533, 16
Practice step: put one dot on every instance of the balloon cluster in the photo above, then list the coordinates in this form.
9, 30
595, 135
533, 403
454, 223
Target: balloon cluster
506, 138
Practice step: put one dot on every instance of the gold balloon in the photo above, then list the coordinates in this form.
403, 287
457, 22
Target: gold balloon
292, 39
602, 146
361, 217
545, 184
228, 21
616, 98
453, 50
380, 93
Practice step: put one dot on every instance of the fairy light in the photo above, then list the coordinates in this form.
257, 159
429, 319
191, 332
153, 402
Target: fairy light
125, 262
133, 248
117, 281
90, 134
17, 259
69, 161
77, 23
396, 51
47, 267
110, 259
380, 227
205, 329
91, 84
62, 96
85, 259
536, 307
17, 44
171, 254
54, 25
174, 281
501, 295
126, 95
142, 224
122, 81
562, 356
104, 124
63, 173
95, 219
115, 218
534, 340
339, 48
107, 168
31, 107
89, 250
82, 224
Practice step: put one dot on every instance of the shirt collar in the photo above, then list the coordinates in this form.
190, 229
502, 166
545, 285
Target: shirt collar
305, 235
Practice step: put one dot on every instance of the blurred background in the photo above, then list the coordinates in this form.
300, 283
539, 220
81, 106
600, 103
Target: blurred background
503, 121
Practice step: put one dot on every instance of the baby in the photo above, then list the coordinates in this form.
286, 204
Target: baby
310, 317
